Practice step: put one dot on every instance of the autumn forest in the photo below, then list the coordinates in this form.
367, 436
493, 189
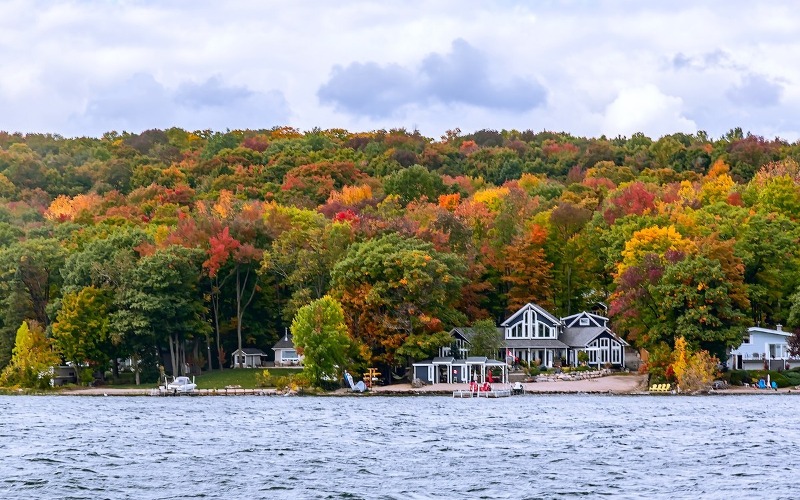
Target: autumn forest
181, 245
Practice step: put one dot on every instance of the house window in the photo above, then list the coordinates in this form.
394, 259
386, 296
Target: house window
616, 353
746, 340
544, 331
289, 354
584, 321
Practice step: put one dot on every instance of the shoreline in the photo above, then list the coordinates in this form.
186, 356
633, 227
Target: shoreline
631, 384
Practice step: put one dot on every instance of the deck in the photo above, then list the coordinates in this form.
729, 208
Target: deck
498, 393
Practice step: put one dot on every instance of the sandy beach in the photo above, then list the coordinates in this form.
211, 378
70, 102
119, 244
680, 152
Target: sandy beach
611, 384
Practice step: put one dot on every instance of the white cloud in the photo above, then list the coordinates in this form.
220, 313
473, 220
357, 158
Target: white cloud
77, 66
646, 109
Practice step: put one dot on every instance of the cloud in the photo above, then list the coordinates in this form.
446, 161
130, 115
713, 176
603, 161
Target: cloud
369, 89
459, 77
755, 90
646, 109
212, 92
141, 102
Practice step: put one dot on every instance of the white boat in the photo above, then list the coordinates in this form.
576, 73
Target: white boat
181, 384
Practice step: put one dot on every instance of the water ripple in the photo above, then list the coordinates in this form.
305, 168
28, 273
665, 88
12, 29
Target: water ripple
376, 447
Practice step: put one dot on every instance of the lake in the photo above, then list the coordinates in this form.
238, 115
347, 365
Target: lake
532, 446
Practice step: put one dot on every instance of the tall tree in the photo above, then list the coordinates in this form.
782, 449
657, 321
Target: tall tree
320, 334
32, 357
392, 286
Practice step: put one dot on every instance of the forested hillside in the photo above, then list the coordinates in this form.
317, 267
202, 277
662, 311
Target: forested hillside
194, 243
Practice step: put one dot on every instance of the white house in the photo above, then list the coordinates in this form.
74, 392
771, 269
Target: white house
249, 357
285, 352
763, 348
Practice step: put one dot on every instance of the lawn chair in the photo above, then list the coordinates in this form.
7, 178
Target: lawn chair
762, 384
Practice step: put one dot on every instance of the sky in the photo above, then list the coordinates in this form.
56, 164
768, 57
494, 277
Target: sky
590, 68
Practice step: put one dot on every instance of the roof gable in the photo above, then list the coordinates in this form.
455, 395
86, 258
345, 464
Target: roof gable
284, 342
595, 320
768, 331
528, 307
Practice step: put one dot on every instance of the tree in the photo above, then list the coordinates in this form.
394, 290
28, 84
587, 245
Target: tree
425, 345
486, 339
413, 183
391, 287
320, 334
32, 358
159, 305
80, 332
527, 270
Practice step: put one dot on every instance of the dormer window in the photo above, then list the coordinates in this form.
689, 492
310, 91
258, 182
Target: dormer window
584, 322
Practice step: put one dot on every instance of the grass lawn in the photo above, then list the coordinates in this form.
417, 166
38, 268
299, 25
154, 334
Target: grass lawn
244, 377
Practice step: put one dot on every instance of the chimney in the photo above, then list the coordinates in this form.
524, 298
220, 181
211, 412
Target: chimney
779, 327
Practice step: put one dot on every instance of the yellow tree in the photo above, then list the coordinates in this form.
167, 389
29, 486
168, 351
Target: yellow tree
31, 359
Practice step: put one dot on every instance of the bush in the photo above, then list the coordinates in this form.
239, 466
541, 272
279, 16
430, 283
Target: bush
532, 370
777, 377
792, 377
86, 376
264, 379
739, 377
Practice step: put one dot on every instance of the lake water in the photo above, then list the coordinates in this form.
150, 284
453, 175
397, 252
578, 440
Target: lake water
399, 447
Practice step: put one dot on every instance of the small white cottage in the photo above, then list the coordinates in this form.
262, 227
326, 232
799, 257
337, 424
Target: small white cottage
249, 357
285, 352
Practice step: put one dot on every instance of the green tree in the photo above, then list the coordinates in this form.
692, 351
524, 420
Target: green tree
486, 339
80, 332
160, 306
391, 287
413, 183
424, 345
320, 334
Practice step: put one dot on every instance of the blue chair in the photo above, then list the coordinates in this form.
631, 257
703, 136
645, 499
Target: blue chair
762, 384
774, 385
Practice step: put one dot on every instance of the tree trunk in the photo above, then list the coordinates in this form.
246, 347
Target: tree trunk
136, 371
173, 356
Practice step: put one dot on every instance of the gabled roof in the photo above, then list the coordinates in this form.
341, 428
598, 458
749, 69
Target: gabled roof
467, 333
250, 350
758, 329
534, 307
594, 319
582, 336
284, 342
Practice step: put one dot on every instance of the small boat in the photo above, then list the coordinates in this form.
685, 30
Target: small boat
182, 385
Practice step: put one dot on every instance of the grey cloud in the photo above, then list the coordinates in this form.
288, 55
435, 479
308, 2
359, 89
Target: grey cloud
459, 77
141, 102
368, 89
709, 60
755, 90
210, 93
463, 76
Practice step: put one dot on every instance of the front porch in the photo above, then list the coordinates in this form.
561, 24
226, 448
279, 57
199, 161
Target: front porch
447, 370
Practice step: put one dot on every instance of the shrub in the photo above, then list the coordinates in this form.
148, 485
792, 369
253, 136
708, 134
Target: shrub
264, 379
739, 377
532, 370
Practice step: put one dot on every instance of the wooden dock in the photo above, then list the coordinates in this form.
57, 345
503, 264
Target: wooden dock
498, 393
161, 391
